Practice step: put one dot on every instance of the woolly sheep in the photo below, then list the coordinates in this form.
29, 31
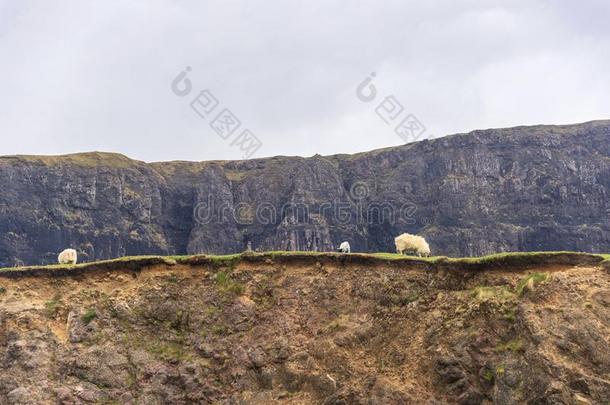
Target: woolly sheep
68, 256
412, 243
344, 247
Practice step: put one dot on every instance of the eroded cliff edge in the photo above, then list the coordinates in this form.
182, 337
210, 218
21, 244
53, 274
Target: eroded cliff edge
324, 329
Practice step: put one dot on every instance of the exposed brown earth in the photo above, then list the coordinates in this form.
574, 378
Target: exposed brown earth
308, 329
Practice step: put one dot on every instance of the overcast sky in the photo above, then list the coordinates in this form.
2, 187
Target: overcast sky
83, 75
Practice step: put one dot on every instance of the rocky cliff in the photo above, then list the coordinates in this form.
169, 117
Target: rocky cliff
518, 189
308, 329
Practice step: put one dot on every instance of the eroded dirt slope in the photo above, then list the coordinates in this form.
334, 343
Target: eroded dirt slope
313, 331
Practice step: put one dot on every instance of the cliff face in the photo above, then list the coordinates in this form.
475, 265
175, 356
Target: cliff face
373, 332
526, 188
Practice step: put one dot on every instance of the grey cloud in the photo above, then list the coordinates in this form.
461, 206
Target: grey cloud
79, 76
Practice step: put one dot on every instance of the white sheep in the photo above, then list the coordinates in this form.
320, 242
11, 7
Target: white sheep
412, 243
344, 247
68, 256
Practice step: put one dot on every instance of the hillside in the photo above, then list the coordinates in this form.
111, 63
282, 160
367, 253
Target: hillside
516, 189
307, 328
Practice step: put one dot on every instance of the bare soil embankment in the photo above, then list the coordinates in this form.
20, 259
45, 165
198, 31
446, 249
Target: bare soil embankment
308, 328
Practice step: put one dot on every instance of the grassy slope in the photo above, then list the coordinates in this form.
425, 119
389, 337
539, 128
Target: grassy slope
503, 260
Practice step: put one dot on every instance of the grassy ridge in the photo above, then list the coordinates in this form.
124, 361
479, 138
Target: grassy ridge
122, 263
490, 262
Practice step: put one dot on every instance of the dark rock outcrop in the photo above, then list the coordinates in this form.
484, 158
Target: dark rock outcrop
525, 188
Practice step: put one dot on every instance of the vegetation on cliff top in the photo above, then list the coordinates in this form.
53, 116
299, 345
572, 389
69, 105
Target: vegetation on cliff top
86, 159
500, 260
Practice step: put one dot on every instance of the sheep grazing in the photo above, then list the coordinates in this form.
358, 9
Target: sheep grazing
68, 256
344, 247
412, 243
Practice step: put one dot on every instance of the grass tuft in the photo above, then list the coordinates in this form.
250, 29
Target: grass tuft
337, 324
513, 345
168, 351
529, 282
483, 293
88, 316
227, 285
220, 330
510, 315
51, 308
